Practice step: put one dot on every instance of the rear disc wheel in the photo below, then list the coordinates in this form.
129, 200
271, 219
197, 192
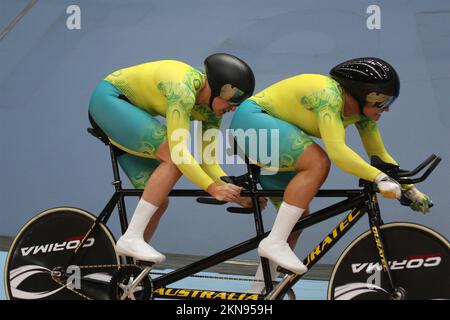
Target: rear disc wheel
43, 247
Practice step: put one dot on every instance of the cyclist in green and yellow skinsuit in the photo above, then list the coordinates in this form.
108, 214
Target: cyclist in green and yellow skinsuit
125, 105
313, 105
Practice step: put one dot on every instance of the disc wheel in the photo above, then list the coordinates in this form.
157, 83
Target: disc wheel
418, 258
45, 245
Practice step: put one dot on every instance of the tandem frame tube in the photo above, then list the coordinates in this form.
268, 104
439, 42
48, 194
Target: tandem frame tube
356, 199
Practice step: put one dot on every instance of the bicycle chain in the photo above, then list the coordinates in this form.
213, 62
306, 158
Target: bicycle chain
98, 266
72, 290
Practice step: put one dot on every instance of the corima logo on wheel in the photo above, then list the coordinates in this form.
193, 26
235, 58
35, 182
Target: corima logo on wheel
424, 261
57, 246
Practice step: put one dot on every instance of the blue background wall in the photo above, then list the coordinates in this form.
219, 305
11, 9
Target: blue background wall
48, 72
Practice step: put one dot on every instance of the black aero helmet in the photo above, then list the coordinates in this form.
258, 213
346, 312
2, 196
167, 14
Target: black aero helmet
361, 76
229, 77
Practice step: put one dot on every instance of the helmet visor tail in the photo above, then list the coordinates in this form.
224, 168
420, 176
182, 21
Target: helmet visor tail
386, 104
238, 97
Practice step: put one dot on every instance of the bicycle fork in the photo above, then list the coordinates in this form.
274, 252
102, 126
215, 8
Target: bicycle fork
375, 221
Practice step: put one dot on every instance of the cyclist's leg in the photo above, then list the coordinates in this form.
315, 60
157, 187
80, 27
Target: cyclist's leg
160, 183
313, 167
296, 152
164, 177
249, 117
138, 170
138, 133
279, 181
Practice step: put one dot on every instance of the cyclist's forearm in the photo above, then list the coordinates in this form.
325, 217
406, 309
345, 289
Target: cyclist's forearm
383, 155
349, 161
214, 171
372, 141
185, 162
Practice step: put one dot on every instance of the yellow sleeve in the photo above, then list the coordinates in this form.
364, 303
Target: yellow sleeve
371, 139
332, 132
180, 101
210, 149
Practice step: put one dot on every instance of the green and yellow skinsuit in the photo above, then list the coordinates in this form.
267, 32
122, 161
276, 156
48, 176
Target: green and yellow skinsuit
301, 107
125, 105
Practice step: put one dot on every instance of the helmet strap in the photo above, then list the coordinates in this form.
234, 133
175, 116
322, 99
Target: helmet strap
211, 99
361, 107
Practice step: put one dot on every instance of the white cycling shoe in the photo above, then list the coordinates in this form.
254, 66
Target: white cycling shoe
280, 253
139, 249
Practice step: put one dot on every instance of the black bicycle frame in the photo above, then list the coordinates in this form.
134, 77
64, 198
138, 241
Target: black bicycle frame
359, 201
369, 204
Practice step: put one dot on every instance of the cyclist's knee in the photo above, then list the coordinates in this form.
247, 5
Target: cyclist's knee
314, 158
163, 155
323, 165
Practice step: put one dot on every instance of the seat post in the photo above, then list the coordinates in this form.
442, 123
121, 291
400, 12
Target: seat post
117, 182
254, 171
98, 133
118, 187
253, 176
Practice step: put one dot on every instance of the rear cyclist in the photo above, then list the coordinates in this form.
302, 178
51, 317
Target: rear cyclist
125, 105
357, 92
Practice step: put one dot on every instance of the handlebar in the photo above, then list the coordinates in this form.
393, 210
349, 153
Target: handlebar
241, 181
394, 171
213, 201
400, 175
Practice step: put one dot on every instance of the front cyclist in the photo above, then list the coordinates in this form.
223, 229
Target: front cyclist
357, 92
125, 105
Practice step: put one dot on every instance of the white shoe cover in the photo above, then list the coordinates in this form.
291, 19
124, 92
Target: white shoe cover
139, 249
280, 253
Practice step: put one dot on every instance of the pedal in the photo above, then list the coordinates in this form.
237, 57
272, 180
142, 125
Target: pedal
285, 271
144, 263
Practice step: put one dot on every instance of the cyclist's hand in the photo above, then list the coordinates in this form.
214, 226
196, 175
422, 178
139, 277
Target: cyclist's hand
262, 203
388, 187
226, 192
246, 202
419, 201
